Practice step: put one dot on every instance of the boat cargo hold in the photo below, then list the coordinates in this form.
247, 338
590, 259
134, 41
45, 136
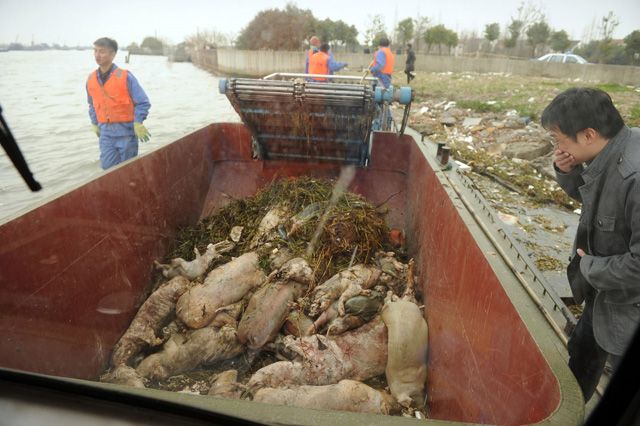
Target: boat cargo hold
75, 270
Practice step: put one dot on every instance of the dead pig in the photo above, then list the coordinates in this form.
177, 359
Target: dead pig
347, 395
298, 324
358, 310
406, 369
342, 324
185, 353
279, 256
365, 306
223, 286
197, 267
228, 315
269, 306
320, 360
329, 291
393, 270
329, 315
124, 375
268, 227
312, 211
225, 385
149, 320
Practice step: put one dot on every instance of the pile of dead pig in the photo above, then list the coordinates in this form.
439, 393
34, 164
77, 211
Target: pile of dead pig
300, 298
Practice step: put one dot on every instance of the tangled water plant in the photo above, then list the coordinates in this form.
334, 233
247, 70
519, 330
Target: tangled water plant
352, 232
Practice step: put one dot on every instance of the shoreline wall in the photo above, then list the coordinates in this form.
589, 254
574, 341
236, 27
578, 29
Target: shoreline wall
232, 62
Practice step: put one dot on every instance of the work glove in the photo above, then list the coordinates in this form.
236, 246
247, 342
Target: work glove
96, 129
141, 132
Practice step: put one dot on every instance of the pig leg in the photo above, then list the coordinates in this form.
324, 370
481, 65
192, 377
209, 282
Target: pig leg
329, 315
342, 324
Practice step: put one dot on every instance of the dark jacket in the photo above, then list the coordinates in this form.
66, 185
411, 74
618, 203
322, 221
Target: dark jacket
411, 61
609, 232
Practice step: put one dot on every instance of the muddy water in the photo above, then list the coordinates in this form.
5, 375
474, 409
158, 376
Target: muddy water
44, 101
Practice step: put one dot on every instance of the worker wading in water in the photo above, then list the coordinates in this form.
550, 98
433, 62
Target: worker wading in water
117, 107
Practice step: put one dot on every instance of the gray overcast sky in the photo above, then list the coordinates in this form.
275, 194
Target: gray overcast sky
75, 22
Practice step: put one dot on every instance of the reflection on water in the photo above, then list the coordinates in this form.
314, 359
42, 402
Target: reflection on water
43, 99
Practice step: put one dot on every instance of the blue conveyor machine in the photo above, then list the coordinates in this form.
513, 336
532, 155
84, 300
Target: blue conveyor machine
293, 118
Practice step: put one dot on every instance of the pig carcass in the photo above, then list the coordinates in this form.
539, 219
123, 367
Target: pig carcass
346, 395
196, 267
123, 375
298, 324
322, 360
358, 310
225, 385
269, 306
223, 286
149, 320
183, 353
406, 369
329, 291
268, 227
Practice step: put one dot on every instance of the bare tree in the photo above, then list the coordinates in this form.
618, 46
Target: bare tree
608, 25
590, 32
209, 38
376, 26
529, 14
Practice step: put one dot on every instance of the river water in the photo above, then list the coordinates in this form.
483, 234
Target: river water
44, 102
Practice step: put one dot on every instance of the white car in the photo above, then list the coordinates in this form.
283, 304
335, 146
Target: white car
566, 58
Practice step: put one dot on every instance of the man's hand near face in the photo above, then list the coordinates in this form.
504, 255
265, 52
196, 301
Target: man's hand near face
564, 161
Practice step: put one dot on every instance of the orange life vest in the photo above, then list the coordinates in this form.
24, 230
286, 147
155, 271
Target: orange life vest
389, 59
111, 101
319, 64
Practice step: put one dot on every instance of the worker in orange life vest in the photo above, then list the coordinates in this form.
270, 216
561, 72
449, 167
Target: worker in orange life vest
314, 46
117, 107
382, 64
321, 62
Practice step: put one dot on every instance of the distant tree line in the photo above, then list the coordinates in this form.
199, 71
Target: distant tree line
526, 34
149, 46
290, 29
531, 21
39, 46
